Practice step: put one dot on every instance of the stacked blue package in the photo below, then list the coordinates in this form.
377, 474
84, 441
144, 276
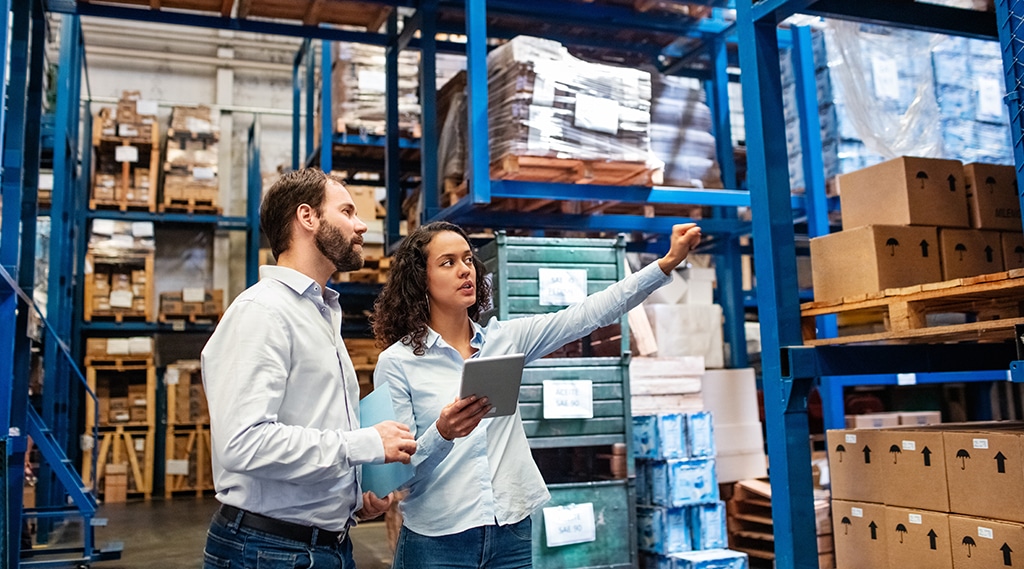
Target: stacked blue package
712, 559
708, 526
700, 434
659, 436
663, 530
684, 482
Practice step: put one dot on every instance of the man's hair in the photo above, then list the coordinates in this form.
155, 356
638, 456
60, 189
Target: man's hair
277, 212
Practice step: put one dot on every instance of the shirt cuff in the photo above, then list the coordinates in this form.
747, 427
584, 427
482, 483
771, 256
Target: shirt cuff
432, 442
365, 446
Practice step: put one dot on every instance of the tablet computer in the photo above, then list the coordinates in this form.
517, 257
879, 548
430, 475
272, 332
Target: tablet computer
497, 378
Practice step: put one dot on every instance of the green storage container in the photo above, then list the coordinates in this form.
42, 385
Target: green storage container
615, 527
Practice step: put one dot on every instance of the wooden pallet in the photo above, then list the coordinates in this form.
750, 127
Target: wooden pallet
993, 304
119, 363
573, 171
119, 205
374, 271
188, 445
190, 205
193, 318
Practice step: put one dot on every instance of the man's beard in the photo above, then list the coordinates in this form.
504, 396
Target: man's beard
340, 251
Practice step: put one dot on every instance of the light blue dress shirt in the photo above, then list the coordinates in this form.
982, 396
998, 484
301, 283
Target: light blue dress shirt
283, 399
488, 476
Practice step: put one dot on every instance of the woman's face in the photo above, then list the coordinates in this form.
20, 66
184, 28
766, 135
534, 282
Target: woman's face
451, 275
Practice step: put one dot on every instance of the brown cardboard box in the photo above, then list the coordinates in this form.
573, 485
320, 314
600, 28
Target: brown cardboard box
872, 420
1013, 249
920, 418
905, 191
992, 196
979, 543
970, 252
138, 414
857, 465
115, 483
860, 536
985, 474
873, 258
915, 471
918, 539
365, 200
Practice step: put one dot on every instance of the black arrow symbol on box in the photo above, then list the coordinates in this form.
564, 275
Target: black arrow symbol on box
924, 248
867, 454
952, 182
874, 528
931, 538
1007, 560
1001, 463
988, 254
927, 456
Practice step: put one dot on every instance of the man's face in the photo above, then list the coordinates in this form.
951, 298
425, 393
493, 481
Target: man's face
340, 235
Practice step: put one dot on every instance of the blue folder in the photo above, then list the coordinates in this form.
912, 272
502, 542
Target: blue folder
381, 479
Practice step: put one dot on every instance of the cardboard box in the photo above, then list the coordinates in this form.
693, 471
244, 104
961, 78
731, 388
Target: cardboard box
915, 473
992, 196
365, 199
859, 534
984, 473
979, 543
1013, 249
872, 421
970, 252
918, 538
873, 258
905, 191
115, 483
857, 465
920, 418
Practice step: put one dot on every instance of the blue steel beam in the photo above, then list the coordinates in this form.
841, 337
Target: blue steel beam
777, 298
300, 56
326, 107
430, 187
1010, 14
310, 77
252, 204
920, 16
392, 155
629, 194
477, 139
171, 218
612, 223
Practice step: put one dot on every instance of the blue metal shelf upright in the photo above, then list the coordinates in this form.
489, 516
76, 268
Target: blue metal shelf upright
789, 369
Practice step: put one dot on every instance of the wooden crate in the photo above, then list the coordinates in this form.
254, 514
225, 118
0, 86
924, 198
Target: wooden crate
186, 398
128, 181
749, 523
139, 266
121, 446
121, 383
188, 467
173, 307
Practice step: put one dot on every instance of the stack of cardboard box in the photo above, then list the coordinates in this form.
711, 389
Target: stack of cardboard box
126, 149
190, 165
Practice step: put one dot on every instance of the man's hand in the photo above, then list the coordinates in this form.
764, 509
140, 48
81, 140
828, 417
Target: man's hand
399, 445
685, 237
373, 507
461, 416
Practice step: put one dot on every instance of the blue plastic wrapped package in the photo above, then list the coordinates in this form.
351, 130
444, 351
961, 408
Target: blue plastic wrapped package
700, 434
712, 559
707, 526
663, 530
659, 436
677, 483
650, 560
643, 482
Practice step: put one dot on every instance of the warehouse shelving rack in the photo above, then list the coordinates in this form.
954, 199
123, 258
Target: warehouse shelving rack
790, 369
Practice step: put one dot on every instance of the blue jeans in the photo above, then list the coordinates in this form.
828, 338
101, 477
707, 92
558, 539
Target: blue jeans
229, 546
491, 547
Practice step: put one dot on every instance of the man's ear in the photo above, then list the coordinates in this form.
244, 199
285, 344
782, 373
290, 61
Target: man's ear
306, 217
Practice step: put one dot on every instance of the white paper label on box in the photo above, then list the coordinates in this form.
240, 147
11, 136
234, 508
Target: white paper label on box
140, 345
45, 181
177, 467
990, 99
543, 91
915, 519
909, 445
986, 533
142, 228
981, 443
145, 107
121, 299
122, 241
568, 399
178, 325
596, 113
193, 294
886, 77
850, 438
118, 346
171, 376
562, 287
86, 442
565, 525
906, 379
203, 173
371, 81
103, 226
140, 445
139, 402
857, 512
126, 154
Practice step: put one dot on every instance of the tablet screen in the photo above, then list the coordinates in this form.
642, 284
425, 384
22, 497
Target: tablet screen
497, 378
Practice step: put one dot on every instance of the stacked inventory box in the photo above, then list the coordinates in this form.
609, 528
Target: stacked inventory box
358, 83
126, 148
190, 181
572, 442
680, 133
118, 281
122, 375
187, 447
192, 304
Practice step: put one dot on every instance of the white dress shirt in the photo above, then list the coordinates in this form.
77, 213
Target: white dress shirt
488, 476
283, 399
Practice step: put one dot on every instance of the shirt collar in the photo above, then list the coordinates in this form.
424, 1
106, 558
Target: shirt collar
476, 341
293, 279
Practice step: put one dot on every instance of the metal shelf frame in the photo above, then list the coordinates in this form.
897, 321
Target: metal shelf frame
789, 369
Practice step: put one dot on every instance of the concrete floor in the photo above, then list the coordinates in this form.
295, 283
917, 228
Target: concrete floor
170, 534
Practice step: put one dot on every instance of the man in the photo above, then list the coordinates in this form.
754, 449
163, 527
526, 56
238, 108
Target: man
283, 394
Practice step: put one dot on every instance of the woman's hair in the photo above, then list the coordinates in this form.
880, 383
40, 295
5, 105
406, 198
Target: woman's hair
402, 311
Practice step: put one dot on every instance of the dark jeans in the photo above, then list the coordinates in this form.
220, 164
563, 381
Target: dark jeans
493, 547
231, 546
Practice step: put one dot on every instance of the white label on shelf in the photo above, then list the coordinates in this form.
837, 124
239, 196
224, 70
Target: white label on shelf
118, 346
915, 519
146, 107
596, 113
986, 533
126, 154
981, 443
193, 294
850, 438
177, 467
121, 299
142, 229
562, 287
909, 445
568, 399
45, 181
203, 173
565, 525
178, 325
171, 376
371, 81
990, 99
885, 77
103, 227
906, 379
857, 512
86, 442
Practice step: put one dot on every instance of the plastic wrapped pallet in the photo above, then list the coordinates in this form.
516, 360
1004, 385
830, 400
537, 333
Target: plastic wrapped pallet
358, 82
681, 133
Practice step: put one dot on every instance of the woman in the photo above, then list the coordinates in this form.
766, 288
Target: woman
470, 500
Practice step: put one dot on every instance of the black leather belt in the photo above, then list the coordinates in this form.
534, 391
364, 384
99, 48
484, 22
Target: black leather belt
288, 530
